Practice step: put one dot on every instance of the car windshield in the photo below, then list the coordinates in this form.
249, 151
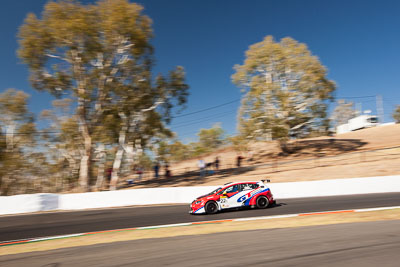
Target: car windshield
215, 191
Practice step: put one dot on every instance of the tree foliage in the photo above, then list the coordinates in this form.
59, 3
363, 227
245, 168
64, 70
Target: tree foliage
17, 138
286, 90
239, 143
396, 114
343, 112
211, 138
172, 152
64, 143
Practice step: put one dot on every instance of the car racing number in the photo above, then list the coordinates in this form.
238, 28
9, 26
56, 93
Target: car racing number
224, 202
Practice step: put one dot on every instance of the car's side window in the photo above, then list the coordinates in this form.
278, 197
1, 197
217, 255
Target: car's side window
233, 188
254, 186
249, 186
246, 187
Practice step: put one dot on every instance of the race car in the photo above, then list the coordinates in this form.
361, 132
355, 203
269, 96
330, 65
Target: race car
234, 195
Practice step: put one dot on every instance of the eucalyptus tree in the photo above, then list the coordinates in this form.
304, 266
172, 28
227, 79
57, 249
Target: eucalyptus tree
18, 131
286, 90
343, 112
95, 53
143, 111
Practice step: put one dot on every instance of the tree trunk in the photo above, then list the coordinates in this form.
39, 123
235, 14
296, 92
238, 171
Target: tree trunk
73, 163
100, 169
116, 168
120, 152
100, 175
84, 127
75, 168
84, 170
130, 154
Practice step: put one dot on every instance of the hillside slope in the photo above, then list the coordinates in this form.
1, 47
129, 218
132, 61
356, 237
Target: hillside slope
363, 153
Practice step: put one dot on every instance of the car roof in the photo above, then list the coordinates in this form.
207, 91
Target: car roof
242, 182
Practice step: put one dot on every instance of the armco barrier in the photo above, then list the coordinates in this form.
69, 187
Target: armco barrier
169, 195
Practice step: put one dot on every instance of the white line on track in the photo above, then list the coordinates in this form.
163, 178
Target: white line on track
30, 240
376, 209
163, 226
264, 217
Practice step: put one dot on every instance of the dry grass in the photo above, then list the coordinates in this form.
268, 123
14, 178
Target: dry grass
201, 229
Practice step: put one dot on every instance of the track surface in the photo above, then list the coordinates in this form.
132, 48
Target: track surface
353, 244
59, 223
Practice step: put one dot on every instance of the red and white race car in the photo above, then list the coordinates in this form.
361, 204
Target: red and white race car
234, 195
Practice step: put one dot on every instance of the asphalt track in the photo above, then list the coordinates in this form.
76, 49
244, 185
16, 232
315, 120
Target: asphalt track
59, 223
351, 244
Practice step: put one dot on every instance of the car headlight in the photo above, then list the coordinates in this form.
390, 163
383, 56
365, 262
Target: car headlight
198, 202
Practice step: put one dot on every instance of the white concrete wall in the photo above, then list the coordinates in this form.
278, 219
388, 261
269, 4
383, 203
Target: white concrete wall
28, 203
380, 184
147, 196
143, 196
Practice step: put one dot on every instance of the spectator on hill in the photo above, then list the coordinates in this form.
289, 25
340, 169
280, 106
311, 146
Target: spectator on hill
109, 173
216, 163
167, 172
239, 161
201, 164
208, 168
156, 169
139, 172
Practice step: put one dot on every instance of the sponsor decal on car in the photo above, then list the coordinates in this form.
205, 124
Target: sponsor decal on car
242, 198
224, 202
250, 194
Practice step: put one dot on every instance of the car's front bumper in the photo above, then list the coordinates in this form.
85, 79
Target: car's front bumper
198, 211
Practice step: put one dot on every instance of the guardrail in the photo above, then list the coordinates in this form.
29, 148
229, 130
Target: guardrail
169, 195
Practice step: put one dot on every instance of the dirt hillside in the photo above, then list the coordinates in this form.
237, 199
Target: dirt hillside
363, 153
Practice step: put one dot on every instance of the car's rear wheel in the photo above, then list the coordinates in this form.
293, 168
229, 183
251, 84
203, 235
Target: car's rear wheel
262, 202
211, 207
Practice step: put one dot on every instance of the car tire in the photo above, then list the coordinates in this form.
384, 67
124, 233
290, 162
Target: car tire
211, 207
262, 202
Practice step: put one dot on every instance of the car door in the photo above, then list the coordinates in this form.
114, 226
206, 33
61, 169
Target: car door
236, 200
229, 193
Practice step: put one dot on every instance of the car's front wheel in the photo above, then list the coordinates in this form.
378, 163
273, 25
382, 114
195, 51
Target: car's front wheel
262, 202
211, 207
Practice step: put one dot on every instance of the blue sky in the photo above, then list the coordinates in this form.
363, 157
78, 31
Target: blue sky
358, 41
